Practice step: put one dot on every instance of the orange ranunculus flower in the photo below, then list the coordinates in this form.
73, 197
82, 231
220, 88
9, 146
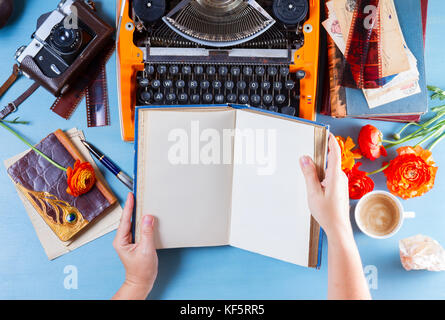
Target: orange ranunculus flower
347, 155
370, 142
359, 182
81, 179
412, 173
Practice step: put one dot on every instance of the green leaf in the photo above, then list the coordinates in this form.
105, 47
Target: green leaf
438, 93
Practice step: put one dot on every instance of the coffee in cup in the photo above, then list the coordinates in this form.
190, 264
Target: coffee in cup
380, 215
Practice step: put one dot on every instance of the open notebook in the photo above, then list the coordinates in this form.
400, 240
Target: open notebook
228, 175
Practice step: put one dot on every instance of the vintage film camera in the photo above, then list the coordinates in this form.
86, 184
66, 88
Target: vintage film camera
64, 44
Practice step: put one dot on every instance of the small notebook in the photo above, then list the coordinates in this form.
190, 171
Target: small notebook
105, 223
45, 186
228, 175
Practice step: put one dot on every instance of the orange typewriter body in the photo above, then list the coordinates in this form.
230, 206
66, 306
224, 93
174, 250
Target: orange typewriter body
130, 61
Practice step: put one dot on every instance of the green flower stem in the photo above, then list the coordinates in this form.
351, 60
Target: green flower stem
32, 147
435, 143
421, 132
379, 170
433, 134
399, 134
15, 121
404, 140
438, 109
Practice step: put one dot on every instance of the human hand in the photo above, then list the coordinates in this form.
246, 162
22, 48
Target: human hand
328, 200
140, 260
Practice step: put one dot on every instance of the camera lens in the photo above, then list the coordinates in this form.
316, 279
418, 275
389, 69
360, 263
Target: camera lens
65, 40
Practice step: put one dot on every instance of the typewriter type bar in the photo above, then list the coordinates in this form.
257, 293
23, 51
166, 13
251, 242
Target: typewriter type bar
276, 70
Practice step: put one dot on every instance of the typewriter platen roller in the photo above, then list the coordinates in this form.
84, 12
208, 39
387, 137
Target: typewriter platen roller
194, 52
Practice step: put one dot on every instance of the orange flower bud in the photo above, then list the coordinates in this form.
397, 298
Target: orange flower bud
81, 179
370, 142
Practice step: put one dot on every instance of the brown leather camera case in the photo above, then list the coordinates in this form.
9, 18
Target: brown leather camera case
59, 85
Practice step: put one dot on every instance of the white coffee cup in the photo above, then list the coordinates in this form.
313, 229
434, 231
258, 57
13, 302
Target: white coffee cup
379, 216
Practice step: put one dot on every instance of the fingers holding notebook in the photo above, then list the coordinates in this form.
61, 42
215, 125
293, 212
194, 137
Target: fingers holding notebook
140, 260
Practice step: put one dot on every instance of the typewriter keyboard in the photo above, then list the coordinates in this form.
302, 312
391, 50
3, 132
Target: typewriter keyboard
270, 87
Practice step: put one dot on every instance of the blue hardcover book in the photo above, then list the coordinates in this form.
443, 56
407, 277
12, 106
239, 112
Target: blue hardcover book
410, 17
228, 175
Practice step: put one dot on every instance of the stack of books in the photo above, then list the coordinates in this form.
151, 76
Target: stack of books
403, 94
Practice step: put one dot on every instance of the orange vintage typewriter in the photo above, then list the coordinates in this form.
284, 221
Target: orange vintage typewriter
261, 53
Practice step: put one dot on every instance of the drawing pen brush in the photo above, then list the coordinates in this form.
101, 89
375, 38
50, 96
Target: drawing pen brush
124, 178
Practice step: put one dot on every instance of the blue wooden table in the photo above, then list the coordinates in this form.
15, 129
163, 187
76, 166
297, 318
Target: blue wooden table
207, 273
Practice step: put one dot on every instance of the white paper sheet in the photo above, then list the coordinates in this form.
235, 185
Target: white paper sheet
190, 201
270, 214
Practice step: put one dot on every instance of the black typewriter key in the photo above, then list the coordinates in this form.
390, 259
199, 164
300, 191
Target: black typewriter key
260, 71
144, 82
284, 71
255, 99
199, 70
158, 96
170, 97
205, 85
145, 96
289, 84
211, 70
174, 69
229, 85
180, 84
241, 85
194, 98
243, 98
268, 99
193, 84
235, 71
207, 97
219, 98
155, 84
273, 108
216, 84
168, 83
183, 97
291, 111
254, 85
280, 98
265, 85
162, 69
186, 70
272, 71
301, 74
223, 70
231, 98
277, 86
247, 71
150, 69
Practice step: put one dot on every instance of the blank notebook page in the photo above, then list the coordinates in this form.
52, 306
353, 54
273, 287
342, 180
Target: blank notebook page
270, 214
190, 201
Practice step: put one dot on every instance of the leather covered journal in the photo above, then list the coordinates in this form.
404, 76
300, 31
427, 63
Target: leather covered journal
45, 186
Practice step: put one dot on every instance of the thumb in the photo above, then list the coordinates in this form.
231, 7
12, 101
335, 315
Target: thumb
313, 185
147, 242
